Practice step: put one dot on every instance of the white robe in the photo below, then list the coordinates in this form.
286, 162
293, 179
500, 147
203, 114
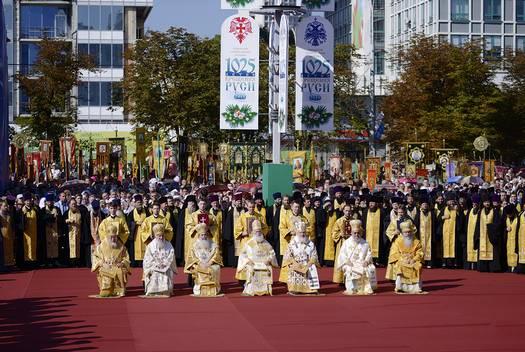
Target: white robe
256, 260
355, 260
304, 254
159, 266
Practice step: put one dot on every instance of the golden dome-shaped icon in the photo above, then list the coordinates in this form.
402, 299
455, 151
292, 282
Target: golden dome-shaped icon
481, 143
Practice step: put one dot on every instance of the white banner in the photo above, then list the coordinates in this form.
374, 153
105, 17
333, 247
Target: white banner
283, 74
241, 4
318, 5
362, 15
239, 74
314, 99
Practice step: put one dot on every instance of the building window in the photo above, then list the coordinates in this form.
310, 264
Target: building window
105, 18
379, 63
29, 54
98, 94
459, 10
103, 55
100, 18
520, 10
38, 21
492, 47
431, 11
520, 44
118, 50
83, 18
492, 10
24, 103
83, 94
117, 15
459, 40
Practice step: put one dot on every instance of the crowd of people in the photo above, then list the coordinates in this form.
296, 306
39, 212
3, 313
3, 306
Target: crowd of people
111, 226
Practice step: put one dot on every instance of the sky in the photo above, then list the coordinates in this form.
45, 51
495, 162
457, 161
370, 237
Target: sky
202, 17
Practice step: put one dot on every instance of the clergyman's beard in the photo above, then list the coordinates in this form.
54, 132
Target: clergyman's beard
408, 240
204, 243
113, 244
302, 239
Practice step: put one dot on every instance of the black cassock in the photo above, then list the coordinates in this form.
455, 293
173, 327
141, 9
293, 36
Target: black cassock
45, 218
495, 236
272, 220
179, 236
133, 228
228, 239
174, 222
384, 242
321, 219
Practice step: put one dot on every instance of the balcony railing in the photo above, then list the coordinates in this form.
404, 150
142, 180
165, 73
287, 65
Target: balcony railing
42, 32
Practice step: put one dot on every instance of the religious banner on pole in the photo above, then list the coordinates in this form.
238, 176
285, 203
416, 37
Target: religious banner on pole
415, 152
241, 4
239, 74
314, 99
388, 170
46, 152
371, 179
318, 5
283, 74
451, 170
37, 165
67, 153
298, 161
102, 156
158, 157
489, 170
140, 135
476, 168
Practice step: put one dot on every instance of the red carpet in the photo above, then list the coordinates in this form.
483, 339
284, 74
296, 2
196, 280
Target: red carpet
49, 310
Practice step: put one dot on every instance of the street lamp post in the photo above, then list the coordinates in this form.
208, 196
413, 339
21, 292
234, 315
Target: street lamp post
276, 12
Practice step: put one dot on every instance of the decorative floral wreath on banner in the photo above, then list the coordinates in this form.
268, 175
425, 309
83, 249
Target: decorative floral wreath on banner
315, 4
239, 3
239, 116
314, 117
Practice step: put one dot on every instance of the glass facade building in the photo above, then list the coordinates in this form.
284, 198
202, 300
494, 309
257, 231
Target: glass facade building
102, 29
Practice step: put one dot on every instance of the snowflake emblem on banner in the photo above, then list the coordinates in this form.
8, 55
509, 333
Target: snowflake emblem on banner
241, 27
315, 33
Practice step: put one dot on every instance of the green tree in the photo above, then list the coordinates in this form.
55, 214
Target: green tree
171, 82
443, 92
48, 85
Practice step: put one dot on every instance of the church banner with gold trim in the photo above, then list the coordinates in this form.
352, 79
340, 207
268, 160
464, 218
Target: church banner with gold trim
298, 161
489, 170
415, 152
388, 170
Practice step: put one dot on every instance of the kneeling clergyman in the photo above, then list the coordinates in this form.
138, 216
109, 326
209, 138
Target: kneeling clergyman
204, 264
406, 258
256, 261
301, 262
111, 263
159, 264
355, 260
